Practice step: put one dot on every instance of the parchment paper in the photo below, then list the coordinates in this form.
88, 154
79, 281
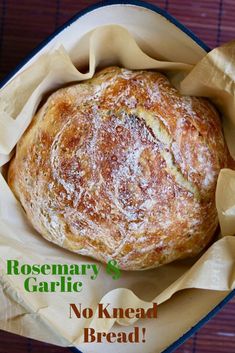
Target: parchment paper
215, 270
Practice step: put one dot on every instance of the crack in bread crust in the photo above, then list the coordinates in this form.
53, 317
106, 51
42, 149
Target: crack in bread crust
163, 136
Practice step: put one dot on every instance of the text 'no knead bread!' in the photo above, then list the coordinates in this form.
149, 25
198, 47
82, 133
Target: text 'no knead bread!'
122, 167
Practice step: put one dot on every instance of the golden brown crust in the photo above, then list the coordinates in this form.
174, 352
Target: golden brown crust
122, 166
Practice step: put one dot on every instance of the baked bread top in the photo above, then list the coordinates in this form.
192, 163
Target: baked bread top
122, 166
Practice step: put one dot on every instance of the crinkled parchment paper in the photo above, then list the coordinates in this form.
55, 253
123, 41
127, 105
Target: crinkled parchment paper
212, 77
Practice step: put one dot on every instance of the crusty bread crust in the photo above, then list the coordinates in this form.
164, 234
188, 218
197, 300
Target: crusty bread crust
122, 166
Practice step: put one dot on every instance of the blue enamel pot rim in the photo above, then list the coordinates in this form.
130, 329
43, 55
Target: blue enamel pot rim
170, 18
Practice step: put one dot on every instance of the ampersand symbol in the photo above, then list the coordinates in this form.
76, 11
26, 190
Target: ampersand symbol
113, 269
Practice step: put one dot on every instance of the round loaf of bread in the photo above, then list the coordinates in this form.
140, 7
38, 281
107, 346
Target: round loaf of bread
122, 167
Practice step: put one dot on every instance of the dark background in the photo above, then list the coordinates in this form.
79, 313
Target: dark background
23, 24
